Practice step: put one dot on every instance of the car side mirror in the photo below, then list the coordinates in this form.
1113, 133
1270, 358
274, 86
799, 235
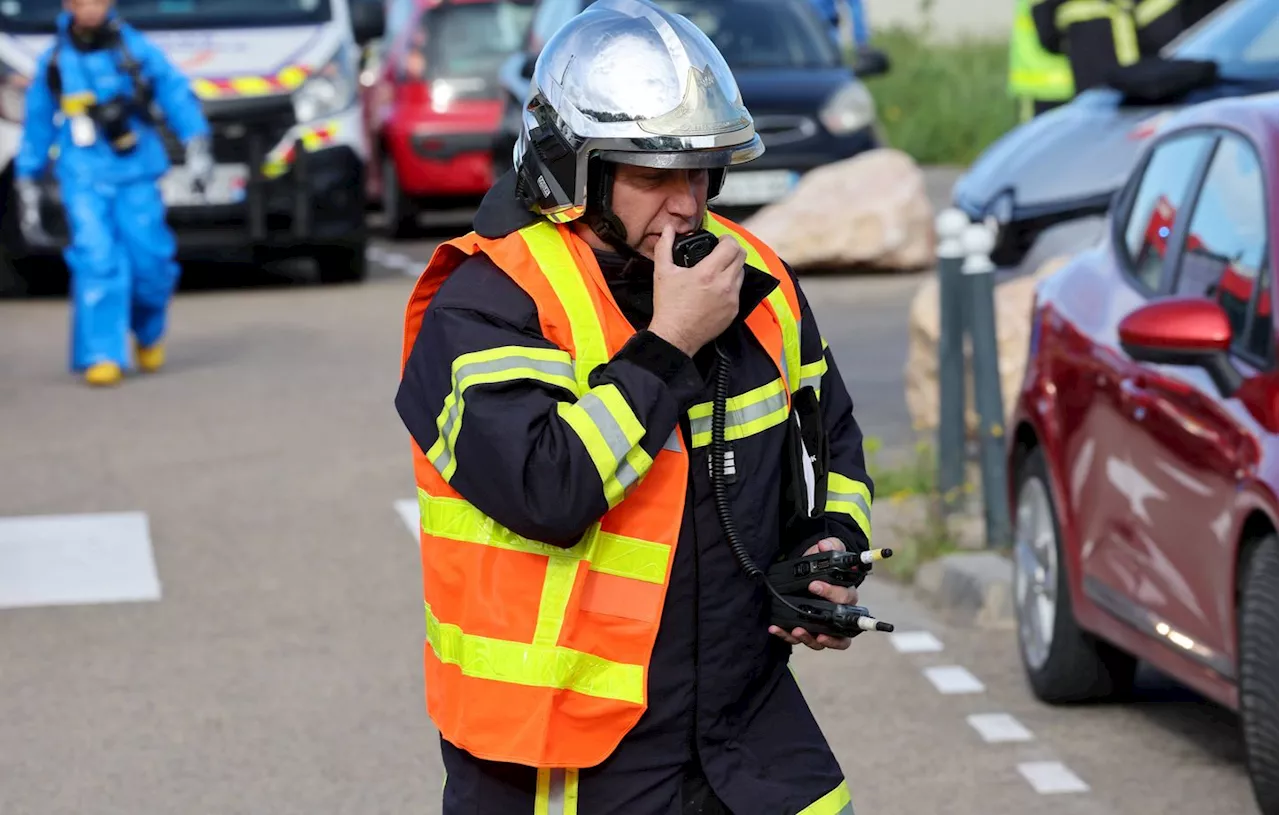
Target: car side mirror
1183, 331
368, 21
869, 61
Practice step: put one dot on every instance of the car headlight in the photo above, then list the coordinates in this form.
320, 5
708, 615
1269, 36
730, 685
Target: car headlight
850, 108
13, 95
330, 90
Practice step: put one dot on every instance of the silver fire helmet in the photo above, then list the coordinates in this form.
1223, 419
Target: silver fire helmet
627, 82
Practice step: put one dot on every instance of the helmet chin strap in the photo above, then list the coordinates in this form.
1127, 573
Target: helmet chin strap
604, 222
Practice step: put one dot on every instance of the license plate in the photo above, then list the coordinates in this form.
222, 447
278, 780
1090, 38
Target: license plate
759, 187
226, 186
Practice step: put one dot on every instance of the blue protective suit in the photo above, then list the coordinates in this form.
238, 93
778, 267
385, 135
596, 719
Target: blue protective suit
121, 253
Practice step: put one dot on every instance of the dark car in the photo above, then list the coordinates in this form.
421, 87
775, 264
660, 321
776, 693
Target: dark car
1067, 164
1143, 460
810, 108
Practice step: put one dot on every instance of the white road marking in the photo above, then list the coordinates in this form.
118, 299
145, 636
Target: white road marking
998, 727
915, 642
407, 509
951, 679
63, 560
1051, 777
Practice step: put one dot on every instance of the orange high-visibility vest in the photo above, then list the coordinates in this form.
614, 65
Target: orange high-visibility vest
537, 654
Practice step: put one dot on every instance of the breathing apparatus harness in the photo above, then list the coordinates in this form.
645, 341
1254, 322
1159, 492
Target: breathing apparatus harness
549, 158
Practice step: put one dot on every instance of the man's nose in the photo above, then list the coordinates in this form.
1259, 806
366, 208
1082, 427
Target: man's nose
683, 200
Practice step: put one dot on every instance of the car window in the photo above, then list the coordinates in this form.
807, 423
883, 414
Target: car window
1240, 37
471, 40
1225, 247
1162, 189
1258, 343
761, 33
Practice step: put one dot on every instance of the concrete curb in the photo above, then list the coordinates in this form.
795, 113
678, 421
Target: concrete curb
974, 588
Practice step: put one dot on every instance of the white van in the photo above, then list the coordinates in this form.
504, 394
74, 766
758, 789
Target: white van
279, 80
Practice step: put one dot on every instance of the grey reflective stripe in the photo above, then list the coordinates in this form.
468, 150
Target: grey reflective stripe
814, 382
626, 475
546, 366
786, 372
847, 809
607, 425
742, 415
673, 441
441, 461
852, 498
555, 798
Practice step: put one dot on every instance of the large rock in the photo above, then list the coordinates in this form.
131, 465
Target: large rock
868, 211
1013, 301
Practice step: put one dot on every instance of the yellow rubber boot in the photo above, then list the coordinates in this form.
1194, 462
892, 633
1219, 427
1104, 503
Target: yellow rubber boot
151, 358
102, 374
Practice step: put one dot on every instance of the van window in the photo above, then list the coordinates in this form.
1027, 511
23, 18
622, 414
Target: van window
40, 16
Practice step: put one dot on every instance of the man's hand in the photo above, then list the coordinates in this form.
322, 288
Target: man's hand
199, 162
29, 209
834, 594
691, 307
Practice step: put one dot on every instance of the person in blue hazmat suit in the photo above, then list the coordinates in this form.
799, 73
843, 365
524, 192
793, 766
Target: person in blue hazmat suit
99, 99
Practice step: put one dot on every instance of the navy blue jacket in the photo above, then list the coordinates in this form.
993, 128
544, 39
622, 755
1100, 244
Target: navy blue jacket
721, 699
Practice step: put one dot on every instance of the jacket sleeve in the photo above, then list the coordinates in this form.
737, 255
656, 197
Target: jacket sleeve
182, 110
1044, 14
849, 487
38, 130
496, 408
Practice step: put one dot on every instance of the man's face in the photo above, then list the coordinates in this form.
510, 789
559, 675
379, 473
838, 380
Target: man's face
646, 200
88, 13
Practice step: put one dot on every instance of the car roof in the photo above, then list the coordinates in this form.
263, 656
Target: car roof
1258, 115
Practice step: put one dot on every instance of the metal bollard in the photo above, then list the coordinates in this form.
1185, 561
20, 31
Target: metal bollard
979, 276
950, 226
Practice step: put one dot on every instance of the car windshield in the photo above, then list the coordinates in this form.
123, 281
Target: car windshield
762, 33
38, 16
472, 39
1241, 37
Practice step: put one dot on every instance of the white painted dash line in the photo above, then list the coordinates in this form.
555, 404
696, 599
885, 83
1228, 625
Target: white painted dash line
1051, 777
998, 727
915, 642
950, 679
407, 509
68, 560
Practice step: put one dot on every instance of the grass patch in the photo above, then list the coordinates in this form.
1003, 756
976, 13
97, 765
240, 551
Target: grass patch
942, 102
911, 479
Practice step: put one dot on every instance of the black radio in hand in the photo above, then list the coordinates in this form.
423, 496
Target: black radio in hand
693, 247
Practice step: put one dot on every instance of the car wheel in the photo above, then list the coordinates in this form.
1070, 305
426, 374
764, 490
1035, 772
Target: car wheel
1063, 663
399, 213
342, 263
1258, 670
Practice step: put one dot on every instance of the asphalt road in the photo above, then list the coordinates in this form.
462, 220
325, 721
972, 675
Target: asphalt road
209, 597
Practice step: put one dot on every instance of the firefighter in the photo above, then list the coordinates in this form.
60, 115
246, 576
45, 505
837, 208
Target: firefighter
592, 644
1099, 36
99, 97
1039, 80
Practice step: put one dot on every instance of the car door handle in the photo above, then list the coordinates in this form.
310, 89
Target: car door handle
1134, 396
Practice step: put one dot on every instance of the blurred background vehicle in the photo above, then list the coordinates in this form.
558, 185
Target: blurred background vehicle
433, 103
278, 82
1066, 164
810, 107
1144, 461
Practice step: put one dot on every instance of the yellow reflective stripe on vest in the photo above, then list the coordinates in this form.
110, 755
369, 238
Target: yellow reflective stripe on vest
746, 414
811, 375
606, 552
777, 301
1124, 31
504, 364
561, 270
77, 104
852, 498
557, 792
836, 802
612, 433
541, 666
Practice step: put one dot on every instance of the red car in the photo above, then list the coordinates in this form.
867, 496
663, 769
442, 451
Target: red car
1143, 453
433, 104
